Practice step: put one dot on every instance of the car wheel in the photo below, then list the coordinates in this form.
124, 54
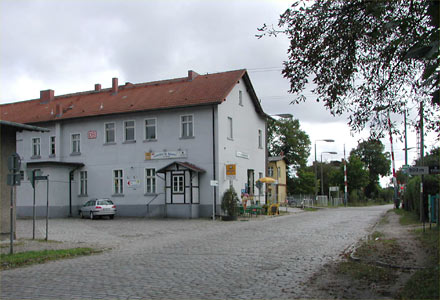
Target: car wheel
91, 216
81, 215
111, 217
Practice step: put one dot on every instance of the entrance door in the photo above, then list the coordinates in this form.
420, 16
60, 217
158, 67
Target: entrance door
251, 182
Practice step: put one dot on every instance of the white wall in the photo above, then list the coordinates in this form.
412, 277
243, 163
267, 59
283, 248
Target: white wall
246, 123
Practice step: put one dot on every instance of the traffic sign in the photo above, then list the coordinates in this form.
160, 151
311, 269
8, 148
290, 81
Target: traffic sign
420, 170
434, 170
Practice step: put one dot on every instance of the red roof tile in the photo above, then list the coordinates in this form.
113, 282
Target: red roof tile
181, 92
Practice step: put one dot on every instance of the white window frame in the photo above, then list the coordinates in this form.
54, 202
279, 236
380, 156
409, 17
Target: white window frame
75, 143
155, 129
179, 184
83, 183
260, 139
186, 123
36, 147
230, 129
240, 97
118, 181
150, 181
106, 141
125, 130
52, 145
270, 171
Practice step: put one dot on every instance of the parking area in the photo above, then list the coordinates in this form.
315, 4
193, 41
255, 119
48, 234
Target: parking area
267, 258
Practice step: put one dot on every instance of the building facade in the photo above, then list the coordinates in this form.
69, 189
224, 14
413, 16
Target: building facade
277, 169
155, 149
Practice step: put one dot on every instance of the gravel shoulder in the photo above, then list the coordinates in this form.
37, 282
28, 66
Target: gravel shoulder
403, 256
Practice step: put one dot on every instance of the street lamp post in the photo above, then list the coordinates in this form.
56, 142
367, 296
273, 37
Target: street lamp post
322, 181
316, 162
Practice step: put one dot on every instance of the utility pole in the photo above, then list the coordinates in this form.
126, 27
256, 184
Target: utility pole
422, 154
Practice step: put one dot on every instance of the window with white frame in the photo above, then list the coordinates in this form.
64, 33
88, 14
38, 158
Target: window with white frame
150, 129
76, 143
178, 184
83, 183
270, 171
260, 138
186, 125
109, 132
230, 129
36, 147
118, 182
52, 146
150, 181
279, 172
240, 98
129, 127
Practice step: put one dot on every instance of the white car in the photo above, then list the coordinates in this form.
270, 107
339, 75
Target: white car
98, 208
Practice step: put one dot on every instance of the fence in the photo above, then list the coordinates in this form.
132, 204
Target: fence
311, 201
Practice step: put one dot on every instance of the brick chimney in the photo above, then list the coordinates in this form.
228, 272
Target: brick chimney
115, 85
192, 75
47, 96
97, 87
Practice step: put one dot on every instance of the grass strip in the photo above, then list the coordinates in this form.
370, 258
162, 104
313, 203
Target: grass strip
9, 261
424, 284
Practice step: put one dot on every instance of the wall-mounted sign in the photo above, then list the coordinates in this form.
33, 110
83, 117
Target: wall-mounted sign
165, 155
92, 134
214, 182
133, 183
231, 171
242, 155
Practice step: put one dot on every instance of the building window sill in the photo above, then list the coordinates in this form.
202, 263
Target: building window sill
83, 195
150, 194
129, 142
52, 156
75, 154
230, 139
150, 140
187, 137
118, 195
36, 157
109, 143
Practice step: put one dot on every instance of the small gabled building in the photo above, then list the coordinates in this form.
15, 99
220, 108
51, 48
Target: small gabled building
157, 148
277, 169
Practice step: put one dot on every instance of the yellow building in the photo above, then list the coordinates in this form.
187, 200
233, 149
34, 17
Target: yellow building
277, 169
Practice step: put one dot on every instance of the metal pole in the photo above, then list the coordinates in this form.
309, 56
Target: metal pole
47, 208
11, 250
316, 173
345, 180
396, 199
405, 203
422, 154
322, 181
33, 207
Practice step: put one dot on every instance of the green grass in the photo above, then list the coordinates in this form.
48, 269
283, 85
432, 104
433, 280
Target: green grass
9, 261
366, 272
406, 217
424, 284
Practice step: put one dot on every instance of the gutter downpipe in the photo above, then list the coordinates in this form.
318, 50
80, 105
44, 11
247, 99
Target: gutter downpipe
213, 161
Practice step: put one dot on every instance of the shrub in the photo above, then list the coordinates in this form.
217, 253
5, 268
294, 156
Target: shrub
230, 202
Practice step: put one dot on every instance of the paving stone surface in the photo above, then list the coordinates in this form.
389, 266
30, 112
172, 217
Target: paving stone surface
268, 258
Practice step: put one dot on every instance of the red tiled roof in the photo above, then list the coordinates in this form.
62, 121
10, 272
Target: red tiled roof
181, 92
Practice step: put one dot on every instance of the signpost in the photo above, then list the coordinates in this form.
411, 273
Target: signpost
13, 179
418, 170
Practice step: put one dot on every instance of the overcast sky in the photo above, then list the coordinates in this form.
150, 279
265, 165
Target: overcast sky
68, 46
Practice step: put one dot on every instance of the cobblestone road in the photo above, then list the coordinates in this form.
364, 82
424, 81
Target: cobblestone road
191, 259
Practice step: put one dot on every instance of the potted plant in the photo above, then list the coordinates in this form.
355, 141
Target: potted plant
230, 204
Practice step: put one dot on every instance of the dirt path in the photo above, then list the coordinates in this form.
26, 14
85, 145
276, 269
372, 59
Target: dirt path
400, 248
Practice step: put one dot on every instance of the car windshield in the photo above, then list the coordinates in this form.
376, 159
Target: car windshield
105, 202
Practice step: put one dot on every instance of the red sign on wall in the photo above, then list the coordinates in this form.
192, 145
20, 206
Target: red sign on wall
92, 134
